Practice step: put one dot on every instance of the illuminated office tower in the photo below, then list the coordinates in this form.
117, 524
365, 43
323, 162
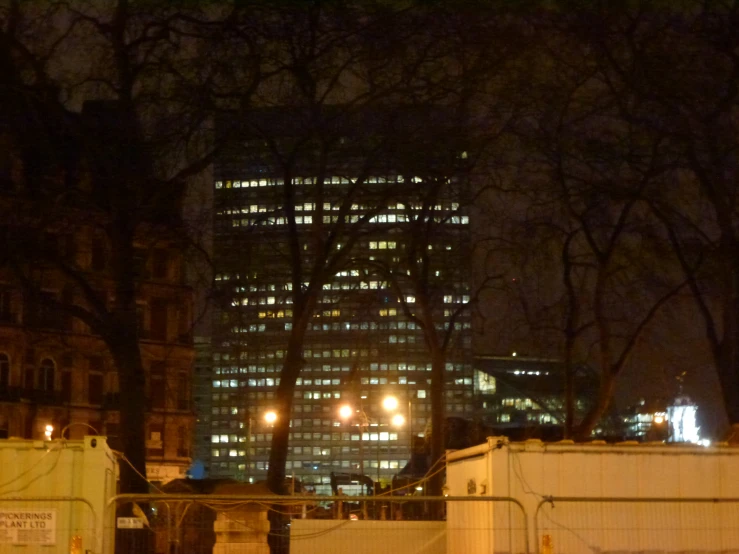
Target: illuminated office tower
360, 347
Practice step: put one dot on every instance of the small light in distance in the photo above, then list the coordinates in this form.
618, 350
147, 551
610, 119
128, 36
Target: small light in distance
270, 417
48, 430
659, 418
345, 411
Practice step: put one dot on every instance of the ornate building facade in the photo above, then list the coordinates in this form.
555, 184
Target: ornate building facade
57, 376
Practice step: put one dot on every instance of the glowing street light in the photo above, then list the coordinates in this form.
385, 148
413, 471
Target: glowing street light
345, 411
398, 420
270, 417
48, 430
390, 403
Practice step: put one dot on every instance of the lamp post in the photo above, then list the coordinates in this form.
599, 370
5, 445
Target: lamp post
390, 403
249, 422
270, 418
345, 413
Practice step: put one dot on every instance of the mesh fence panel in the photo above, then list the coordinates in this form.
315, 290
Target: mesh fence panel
326, 525
581, 525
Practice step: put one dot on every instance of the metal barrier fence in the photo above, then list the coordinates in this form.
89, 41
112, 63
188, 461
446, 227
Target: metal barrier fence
220, 524
200, 524
48, 524
631, 524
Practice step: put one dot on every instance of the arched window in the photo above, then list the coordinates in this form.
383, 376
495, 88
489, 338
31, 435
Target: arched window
4, 371
46, 375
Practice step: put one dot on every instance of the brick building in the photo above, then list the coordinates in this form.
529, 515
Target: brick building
56, 373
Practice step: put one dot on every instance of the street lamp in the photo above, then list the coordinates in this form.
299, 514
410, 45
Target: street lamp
390, 403
345, 411
398, 420
270, 417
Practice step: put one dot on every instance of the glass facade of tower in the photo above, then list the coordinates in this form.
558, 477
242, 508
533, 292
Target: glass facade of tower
359, 348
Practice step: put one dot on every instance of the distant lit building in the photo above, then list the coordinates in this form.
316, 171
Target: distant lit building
523, 397
682, 419
360, 347
201, 396
659, 420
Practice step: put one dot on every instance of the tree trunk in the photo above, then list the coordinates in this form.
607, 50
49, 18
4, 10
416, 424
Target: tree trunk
123, 341
438, 363
124, 348
284, 396
569, 396
283, 407
727, 353
594, 415
278, 538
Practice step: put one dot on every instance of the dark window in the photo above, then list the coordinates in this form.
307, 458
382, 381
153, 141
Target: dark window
139, 263
182, 392
49, 244
182, 446
160, 264
112, 432
41, 311
4, 371
95, 388
98, 258
158, 327
96, 363
70, 247
141, 321
46, 375
158, 385
66, 386
6, 307
29, 378
67, 298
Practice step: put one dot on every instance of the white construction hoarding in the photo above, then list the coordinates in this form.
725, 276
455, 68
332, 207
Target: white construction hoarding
53, 496
584, 498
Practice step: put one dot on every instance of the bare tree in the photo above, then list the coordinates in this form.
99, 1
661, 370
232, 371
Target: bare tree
677, 72
139, 143
590, 277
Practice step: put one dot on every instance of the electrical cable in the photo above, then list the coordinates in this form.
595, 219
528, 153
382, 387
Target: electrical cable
28, 470
29, 483
122, 456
